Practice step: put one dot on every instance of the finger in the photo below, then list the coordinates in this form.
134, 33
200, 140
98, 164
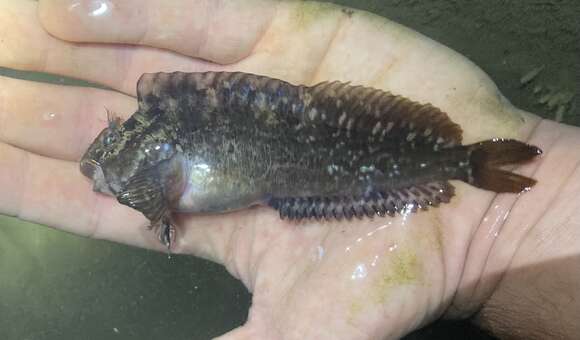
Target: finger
56, 121
219, 31
291, 49
116, 66
286, 40
52, 192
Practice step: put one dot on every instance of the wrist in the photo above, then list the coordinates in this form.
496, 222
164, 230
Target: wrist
537, 295
523, 250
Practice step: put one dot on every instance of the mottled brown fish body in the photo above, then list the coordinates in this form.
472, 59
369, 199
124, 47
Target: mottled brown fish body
215, 142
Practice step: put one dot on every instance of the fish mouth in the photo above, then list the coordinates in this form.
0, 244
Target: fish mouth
89, 168
92, 169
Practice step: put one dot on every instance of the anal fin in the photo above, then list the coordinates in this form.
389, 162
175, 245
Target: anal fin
375, 203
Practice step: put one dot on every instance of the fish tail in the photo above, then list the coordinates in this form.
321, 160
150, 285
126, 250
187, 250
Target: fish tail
487, 157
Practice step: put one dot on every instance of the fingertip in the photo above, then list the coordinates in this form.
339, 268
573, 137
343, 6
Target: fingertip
219, 31
102, 21
47, 16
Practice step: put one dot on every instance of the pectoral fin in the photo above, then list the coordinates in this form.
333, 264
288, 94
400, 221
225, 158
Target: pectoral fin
145, 193
152, 192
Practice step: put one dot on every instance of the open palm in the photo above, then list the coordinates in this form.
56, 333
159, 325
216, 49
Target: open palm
342, 280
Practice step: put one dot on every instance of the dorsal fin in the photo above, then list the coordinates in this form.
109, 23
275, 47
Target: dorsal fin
203, 98
197, 99
378, 113
381, 203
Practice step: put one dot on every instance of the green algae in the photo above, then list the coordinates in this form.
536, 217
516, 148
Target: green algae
404, 268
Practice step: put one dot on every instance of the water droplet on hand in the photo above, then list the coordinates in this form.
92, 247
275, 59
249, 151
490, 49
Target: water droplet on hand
48, 115
360, 272
98, 8
92, 8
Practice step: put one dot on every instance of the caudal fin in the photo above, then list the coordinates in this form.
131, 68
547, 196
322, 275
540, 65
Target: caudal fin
488, 156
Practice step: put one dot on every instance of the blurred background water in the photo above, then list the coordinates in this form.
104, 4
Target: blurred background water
58, 286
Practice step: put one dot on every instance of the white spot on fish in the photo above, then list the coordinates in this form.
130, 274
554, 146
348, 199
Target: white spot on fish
332, 169
261, 100
341, 118
389, 126
350, 124
410, 136
470, 175
211, 97
366, 169
376, 128
307, 100
172, 103
312, 113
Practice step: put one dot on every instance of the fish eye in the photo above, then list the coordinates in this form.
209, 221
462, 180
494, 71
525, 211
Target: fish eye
109, 138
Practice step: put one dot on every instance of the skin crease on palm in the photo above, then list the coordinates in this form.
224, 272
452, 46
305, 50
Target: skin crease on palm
370, 279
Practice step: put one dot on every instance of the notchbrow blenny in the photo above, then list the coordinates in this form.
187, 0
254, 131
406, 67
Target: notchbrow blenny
217, 141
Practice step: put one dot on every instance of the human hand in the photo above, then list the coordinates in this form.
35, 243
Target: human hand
349, 280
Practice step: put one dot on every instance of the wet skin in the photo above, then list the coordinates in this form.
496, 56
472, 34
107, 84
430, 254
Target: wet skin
369, 279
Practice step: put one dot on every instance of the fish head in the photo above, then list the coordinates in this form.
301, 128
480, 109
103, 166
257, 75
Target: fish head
100, 152
121, 151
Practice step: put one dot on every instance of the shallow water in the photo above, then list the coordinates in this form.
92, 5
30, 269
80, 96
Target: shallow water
55, 285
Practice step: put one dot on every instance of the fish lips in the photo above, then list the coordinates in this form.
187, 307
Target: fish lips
93, 170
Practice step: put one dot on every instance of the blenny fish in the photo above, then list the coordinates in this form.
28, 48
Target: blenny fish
215, 142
